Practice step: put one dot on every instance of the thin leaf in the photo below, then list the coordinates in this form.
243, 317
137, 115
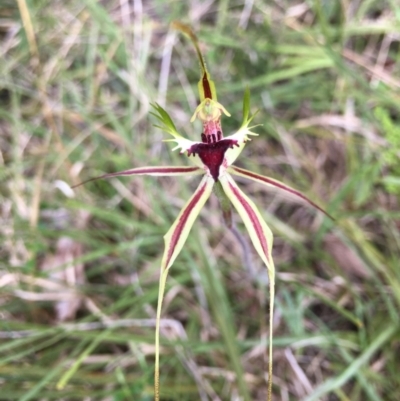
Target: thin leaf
275, 183
261, 237
160, 171
174, 241
355, 366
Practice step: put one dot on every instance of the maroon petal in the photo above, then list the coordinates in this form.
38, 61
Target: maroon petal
275, 183
174, 240
155, 171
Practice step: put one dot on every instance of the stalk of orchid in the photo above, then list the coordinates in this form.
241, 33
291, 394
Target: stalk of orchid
212, 157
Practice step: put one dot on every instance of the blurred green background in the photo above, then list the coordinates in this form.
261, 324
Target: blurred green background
79, 268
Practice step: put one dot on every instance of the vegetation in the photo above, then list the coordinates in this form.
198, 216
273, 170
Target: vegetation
79, 268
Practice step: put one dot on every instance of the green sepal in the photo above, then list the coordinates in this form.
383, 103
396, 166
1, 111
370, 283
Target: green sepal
246, 105
165, 119
205, 76
247, 118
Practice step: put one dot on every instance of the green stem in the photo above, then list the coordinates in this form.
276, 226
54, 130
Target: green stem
225, 204
218, 299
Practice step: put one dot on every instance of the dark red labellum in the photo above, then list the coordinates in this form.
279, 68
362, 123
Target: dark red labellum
212, 154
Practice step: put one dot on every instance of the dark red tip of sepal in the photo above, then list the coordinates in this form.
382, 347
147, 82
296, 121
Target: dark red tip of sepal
206, 87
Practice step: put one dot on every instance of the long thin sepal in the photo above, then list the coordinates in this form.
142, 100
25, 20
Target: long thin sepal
174, 241
275, 183
261, 237
167, 125
206, 85
241, 136
157, 171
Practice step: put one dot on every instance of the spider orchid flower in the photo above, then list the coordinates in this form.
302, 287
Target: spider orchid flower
213, 158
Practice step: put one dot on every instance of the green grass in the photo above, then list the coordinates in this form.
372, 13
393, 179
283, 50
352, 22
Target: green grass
76, 82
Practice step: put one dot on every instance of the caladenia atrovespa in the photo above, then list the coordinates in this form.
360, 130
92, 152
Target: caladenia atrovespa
212, 157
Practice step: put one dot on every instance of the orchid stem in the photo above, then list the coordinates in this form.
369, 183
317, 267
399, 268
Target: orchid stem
246, 253
225, 204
